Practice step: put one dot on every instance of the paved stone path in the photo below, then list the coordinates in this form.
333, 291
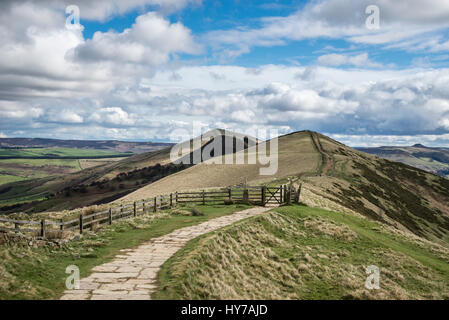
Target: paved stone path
132, 274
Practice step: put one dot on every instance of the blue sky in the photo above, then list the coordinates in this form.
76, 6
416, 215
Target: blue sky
143, 69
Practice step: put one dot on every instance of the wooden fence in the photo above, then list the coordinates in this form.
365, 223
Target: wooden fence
260, 195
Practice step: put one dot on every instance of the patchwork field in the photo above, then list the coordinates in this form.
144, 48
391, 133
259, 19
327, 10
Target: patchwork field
33, 163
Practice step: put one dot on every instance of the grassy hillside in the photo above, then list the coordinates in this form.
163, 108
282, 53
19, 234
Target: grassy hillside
297, 156
298, 252
24, 169
26, 164
391, 192
435, 160
89, 186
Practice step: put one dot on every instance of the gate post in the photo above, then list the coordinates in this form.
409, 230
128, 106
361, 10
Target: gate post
263, 189
289, 195
245, 196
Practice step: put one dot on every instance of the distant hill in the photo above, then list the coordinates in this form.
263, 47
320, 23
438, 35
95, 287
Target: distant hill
111, 145
435, 160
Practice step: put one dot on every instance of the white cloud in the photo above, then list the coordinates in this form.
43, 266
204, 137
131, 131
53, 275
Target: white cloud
150, 41
334, 59
112, 116
65, 116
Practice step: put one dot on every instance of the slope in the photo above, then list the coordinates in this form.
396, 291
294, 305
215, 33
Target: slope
390, 192
435, 160
298, 252
105, 183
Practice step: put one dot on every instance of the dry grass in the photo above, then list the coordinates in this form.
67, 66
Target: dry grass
289, 256
296, 156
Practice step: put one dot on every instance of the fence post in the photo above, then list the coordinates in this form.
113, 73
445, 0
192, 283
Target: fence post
263, 195
110, 216
155, 204
230, 194
43, 228
143, 206
61, 226
135, 209
204, 198
289, 195
121, 211
176, 197
16, 227
245, 196
81, 223
171, 200
298, 193
280, 197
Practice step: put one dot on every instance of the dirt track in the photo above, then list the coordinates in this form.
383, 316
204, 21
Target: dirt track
327, 162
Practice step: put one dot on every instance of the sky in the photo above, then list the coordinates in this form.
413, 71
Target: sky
366, 73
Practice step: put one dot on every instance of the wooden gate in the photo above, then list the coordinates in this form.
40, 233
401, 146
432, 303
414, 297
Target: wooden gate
273, 195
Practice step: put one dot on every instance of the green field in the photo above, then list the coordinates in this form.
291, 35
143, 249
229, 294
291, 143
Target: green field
32, 163
46, 153
299, 252
39, 273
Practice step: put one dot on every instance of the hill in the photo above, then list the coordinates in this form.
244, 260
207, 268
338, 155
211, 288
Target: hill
111, 145
435, 160
390, 192
108, 182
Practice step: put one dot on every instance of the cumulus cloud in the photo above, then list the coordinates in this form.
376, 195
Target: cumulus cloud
54, 82
149, 41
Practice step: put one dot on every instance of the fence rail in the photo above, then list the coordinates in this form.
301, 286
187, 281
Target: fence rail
258, 195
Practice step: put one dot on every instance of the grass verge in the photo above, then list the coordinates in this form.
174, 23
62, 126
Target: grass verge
298, 252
